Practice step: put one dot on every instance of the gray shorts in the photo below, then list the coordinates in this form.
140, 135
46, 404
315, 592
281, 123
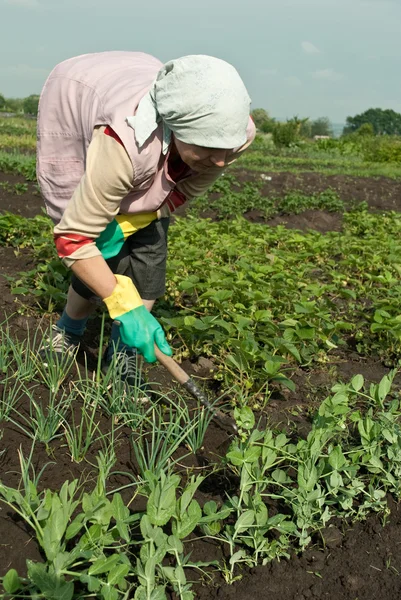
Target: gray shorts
142, 258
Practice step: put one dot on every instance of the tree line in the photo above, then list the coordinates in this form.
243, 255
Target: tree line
28, 106
374, 121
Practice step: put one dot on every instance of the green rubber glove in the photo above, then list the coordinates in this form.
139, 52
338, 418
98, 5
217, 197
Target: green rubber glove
138, 328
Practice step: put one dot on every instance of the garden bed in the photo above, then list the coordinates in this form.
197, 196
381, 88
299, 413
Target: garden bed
347, 560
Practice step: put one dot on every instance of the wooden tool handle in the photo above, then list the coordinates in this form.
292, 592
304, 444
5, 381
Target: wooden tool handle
172, 367
184, 379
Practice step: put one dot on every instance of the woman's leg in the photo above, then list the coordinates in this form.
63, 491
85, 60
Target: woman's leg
149, 304
77, 306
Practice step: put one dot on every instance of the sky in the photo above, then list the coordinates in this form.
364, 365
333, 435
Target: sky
309, 58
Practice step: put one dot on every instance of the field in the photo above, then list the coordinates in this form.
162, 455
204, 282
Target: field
283, 302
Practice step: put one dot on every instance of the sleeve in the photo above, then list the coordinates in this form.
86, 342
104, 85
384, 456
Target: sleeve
199, 184
96, 201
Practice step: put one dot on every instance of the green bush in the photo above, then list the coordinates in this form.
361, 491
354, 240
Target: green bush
260, 116
262, 142
321, 126
31, 105
383, 150
285, 134
365, 130
268, 126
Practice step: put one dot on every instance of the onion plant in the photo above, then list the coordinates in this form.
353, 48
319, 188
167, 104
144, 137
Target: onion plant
124, 402
160, 434
12, 393
53, 368
44, 422
6, 349
82, 434
196, 423
15, 356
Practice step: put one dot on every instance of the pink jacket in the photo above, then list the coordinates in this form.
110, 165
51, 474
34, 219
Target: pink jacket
90, 90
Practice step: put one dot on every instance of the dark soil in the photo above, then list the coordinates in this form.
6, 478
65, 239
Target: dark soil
355, 564
380, 193
348, 562
27, 204
318, 220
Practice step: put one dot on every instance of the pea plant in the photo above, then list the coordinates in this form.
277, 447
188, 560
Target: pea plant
346, 466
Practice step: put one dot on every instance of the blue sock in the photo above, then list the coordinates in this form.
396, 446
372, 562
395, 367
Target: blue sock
72, 326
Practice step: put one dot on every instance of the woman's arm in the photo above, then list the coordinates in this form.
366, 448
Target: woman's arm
96, 274
96, 201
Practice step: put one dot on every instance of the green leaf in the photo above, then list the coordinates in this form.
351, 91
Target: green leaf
252, 454
336, 480
245, 520
161, 503
54, 530
244, 417
11, 581
50, 585
93, 583
236, 457
210, 508
180, 575
140, 593
357, 382
221, 296
123, 530
306, 333
389, 436
104, 565
175, 544
280, 476
117, 574
187, 522
262, 315
236, 557
109, 593
285, 382
376, 462
384, 388
337, 459
75, 527
189, 492
189, 321
307, 477
120, 511
291, 349
280, 440
158, 593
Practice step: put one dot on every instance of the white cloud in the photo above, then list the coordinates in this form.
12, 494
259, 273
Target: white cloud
309, 48
24, 3
328, 75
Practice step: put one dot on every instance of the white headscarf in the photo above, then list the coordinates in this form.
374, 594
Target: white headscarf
201, 99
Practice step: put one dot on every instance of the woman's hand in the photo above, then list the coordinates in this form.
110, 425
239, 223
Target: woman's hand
138, 328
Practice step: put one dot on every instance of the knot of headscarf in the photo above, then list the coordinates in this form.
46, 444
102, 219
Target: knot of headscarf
201, 99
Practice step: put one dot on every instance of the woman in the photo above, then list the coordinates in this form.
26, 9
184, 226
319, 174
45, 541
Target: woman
123, 140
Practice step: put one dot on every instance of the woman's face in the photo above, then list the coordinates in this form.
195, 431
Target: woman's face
201, 159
